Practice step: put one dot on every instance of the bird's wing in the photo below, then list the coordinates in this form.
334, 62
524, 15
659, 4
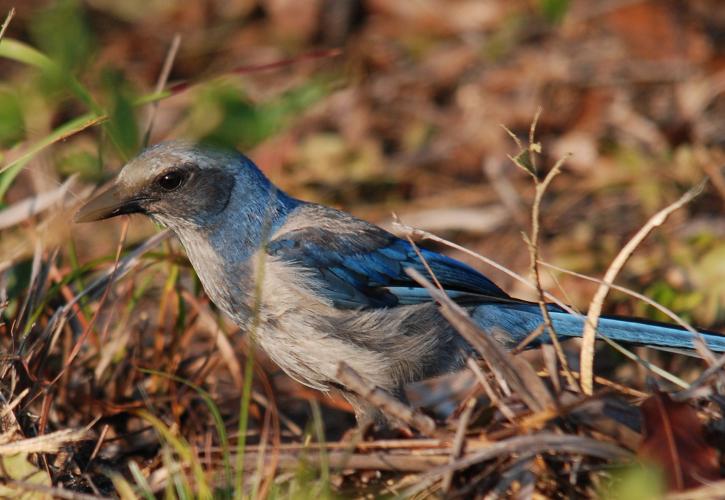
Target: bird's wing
359, 265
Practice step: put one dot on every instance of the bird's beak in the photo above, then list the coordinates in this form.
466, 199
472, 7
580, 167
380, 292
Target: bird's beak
107, 204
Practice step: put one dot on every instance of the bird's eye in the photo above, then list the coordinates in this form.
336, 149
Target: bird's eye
171, 180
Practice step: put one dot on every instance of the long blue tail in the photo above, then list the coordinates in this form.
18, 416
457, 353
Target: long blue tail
519, 319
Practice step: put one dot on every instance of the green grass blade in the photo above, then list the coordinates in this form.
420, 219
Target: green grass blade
216, 415
243, 424
183, 449
74, 126
123, 487
141, 482
320, 436
20, 52
7, 176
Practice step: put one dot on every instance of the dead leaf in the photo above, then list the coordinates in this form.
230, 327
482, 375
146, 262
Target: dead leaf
17, 467
674, 440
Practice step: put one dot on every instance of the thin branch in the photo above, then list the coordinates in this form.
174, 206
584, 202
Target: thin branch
495, 400
644, 363
664, 310
419, 234
516, 371
526, 160
384, 400
425, 264
181, 86
542, 442
688, 393
595, 308
46, 443
715, 173
81, 340
161, 83
533, 244
44, 491
458, 441
8, 18
416, 234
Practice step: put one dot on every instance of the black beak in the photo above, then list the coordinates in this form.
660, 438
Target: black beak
107, 204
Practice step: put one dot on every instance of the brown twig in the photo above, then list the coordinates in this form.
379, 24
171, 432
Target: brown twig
377, 461
532, 242
384, 400
406, 445
664, 310
516, 371
595, 308
99, 443
521, 346
458, 441
8, 18
688, 393
613, 385
542, 442
255, 68
79, 343
646, 364
717, 176
418, 234
50, 491
161, 83
47, 443
495, 400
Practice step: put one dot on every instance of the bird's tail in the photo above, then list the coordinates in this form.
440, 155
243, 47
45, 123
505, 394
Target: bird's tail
519, 319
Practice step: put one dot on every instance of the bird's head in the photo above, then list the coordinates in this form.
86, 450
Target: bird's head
178, 184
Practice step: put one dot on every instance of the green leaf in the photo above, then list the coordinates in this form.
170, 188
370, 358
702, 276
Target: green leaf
185, 452
554, 10
12, 125
635, 483
523, 160
224, 116
216, 416
11, 170
62, 31
25, 54
122, 125
85, 163
17, 467
22, 53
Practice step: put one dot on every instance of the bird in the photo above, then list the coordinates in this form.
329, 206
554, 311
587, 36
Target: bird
318, 286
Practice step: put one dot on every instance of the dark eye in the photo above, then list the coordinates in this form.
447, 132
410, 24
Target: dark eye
171, 180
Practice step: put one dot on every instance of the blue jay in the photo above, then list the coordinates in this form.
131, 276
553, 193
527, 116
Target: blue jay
322, 286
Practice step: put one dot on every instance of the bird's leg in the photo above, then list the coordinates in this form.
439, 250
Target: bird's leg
370, 417
366, 414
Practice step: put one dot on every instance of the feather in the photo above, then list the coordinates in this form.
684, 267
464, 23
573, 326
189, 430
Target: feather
360, 265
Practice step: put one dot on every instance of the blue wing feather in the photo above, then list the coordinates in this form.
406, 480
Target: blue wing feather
359, 265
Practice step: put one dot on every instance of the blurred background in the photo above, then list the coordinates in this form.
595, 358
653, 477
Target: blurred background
381, 107
373, 106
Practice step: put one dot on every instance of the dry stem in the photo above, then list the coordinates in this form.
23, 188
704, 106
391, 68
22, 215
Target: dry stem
595, 308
